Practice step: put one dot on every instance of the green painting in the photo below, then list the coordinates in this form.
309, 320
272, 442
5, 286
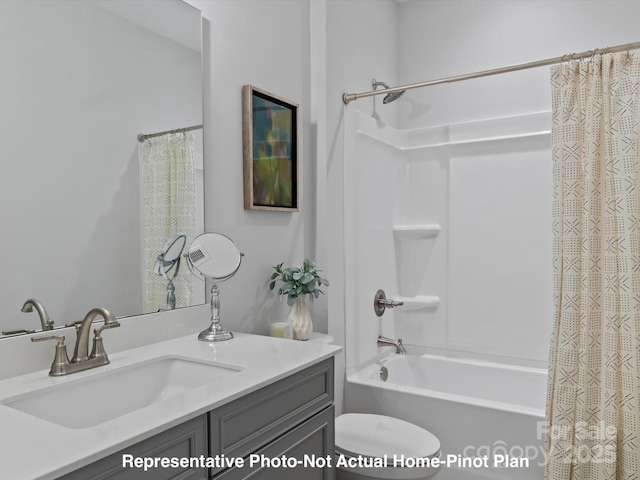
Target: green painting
274, 149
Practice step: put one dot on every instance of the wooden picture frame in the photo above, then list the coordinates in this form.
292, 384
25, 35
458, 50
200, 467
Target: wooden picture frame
270, 151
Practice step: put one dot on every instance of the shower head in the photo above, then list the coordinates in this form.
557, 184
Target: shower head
389, 97
392, 97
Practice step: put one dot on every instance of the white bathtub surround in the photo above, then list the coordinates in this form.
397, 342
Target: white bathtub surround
169, 208
475, 408
595, 348
454, 221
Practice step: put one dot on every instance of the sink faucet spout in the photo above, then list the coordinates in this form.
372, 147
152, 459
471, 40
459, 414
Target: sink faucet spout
28, 306
81, 352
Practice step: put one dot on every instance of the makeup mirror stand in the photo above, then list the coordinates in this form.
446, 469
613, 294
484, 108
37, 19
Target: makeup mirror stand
215, 332
214, 257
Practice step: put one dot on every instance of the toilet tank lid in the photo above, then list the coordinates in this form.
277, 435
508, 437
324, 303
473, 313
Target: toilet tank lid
321, 338
369, 435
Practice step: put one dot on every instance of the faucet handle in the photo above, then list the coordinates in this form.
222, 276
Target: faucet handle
59, 338
98, 331
98, 347
381, 303
60, 359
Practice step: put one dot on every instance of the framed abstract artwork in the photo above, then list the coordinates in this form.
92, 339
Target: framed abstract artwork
270, 151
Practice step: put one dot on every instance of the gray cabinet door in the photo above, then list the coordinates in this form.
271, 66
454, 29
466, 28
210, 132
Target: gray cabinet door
311, 442
187, 440
245, 425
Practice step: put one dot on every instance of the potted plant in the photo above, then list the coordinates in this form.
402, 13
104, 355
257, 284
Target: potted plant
297, 283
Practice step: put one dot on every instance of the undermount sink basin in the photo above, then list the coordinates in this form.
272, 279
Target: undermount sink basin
95, 399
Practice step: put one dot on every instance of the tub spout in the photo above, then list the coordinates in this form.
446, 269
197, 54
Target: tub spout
389, 342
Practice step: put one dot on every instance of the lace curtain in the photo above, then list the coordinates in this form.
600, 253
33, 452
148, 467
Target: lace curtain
593, 405
169, 209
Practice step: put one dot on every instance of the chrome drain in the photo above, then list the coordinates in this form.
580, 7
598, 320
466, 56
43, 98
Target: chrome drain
384, 374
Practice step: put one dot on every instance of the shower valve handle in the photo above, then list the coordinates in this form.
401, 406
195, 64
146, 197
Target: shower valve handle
381, 303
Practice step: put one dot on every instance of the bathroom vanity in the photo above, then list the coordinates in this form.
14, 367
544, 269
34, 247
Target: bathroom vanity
237, 406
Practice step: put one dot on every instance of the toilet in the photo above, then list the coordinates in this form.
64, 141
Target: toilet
364, 441
316, 337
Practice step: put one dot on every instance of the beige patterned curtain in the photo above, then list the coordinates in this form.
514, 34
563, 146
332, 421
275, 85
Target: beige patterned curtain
169, 209
593, 405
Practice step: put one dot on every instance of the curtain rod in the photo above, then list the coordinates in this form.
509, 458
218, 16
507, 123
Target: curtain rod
142, 137
348, 97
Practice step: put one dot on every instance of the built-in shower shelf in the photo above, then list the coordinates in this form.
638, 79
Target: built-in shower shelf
416, 231
418, 302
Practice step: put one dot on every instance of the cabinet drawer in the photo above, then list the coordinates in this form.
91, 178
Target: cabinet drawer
187, 440
313, 440
247, 424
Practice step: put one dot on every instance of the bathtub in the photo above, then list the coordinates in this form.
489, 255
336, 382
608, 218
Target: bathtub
489, 417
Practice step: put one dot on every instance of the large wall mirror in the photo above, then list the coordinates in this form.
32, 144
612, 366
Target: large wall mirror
80, 81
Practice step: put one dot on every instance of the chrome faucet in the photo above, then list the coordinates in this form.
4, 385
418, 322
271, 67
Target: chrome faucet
389, 342
28, 306
81, 359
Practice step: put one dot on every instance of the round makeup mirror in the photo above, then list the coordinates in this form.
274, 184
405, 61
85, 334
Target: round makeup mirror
168, 260
169, 257
214, 257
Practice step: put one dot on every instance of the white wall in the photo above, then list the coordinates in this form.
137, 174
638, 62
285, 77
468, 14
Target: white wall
442, 38
264, 44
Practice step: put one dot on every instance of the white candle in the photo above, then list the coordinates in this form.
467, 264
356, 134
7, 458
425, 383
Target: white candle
280, 329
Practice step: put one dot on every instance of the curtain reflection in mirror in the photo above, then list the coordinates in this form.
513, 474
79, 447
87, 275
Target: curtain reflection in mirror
169, 209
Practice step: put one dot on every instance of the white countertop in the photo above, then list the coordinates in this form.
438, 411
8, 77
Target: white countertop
33, 448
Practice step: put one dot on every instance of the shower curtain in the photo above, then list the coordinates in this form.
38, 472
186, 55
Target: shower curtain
593, 396
169, 209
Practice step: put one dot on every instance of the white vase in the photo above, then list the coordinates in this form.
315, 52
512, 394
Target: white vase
301, 320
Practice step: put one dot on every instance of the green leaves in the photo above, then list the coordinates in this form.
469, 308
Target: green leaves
298, 281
